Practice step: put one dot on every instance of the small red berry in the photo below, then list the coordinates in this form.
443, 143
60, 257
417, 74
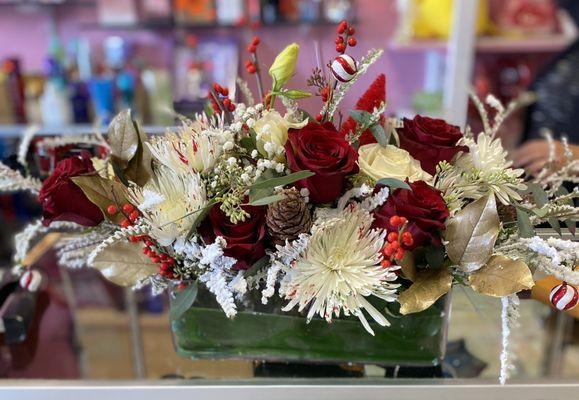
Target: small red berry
408, 242
340, 48
339, 40
351, 31
319, 117
128, 208
251, 48
341, 29
395, 245
255, 40
388, 251
392, 236
403, 220
217, 87
165, 266
112, 210
181, 285
251, 69
225, 91
395, 221
170, 261
232, 107
352, 42
133, 239
386, 263
125, 223
226, 102
134, 216
146, 251
156, 260
248, 63
400, 254
148, 242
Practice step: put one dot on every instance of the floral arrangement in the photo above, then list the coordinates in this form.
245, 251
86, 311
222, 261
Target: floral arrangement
321, 213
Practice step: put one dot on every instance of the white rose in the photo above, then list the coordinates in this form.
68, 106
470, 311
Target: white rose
272, 128
379, 162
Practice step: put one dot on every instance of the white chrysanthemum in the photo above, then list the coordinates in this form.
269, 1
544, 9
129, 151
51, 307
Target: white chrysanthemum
195, 147
168, 202
340, 268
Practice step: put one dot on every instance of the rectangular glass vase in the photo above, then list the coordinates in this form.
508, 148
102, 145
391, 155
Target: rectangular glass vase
265, 333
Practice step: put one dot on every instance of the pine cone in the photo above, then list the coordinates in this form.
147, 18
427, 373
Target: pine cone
507, 213
289, 217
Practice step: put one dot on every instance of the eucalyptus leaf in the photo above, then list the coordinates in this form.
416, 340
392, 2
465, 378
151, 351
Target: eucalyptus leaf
362, 117
183, 300
393, 183
379, 134
282, 180
541, 198
471, 234
267, 200
524, 224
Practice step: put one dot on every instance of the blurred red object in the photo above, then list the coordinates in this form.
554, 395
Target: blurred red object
523, 17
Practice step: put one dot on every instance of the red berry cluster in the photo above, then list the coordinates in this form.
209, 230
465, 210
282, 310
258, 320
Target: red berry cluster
165, 261
345, 37
396, 240
250, 65
129, 211
220, 94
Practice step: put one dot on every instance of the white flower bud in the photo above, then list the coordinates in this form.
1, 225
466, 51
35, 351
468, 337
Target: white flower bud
304, 192
228, 146
279, 168
254, 153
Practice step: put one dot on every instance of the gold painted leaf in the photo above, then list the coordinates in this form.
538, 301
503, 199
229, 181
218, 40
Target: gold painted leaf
471, 234
124, 264
139, 169
123, 138
429, 286
408, 266
502, 276
103, 192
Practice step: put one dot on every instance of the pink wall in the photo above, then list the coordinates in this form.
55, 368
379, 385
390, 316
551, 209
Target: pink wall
25, 34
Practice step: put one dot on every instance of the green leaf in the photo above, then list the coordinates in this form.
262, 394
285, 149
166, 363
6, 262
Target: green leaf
259, 264
201, 214
570, 223
248, 143
393, 183
380, 135
524, 224
542, 198
183, 301
282, 180
360, 116
295, 94
267, 200
435, 256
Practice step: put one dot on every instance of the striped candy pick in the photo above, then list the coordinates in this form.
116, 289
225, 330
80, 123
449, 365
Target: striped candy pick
30, 280
344, 68
564, 296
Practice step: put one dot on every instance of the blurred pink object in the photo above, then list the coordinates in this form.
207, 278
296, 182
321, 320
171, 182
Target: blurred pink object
523, 17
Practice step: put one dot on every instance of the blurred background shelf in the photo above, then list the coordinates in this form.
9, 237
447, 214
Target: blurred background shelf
546, 44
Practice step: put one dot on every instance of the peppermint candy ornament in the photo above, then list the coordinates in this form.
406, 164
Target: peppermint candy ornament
30, 280
564, 296
344, 68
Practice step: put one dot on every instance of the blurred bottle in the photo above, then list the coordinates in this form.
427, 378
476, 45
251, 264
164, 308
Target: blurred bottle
103, 99
55, 106
157, 83
15, 88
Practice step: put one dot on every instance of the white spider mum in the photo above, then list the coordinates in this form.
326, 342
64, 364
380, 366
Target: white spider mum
169, 203
340, 268
195, 147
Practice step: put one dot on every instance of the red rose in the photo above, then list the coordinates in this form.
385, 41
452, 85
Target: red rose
430, 141
322, 150
62, 200
423, 207
245, 240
